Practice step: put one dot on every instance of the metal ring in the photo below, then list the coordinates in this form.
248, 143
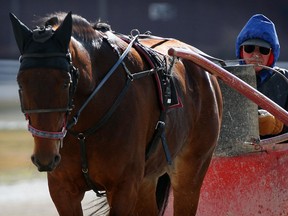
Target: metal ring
85, 170
134, 32
81, 136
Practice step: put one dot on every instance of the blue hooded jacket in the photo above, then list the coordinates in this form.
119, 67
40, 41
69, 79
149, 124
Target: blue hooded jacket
269, 83
259, 27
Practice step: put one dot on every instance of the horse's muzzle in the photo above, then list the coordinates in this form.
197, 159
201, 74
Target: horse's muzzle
47, 167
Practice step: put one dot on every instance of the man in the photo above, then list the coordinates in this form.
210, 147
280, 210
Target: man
258, 44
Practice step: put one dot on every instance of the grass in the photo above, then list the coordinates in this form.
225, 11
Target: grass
16, 147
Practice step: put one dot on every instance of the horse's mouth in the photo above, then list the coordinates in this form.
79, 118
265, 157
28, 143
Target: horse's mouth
46, 167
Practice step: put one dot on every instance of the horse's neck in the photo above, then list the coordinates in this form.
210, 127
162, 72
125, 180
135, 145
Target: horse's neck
93, 66
94, 60
82, 61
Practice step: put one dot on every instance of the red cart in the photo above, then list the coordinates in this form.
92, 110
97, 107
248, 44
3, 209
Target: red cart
246, 177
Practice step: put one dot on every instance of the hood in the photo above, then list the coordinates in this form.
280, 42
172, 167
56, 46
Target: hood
259, 27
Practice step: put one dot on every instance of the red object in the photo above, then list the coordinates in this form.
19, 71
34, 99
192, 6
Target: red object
252, 184
246, 185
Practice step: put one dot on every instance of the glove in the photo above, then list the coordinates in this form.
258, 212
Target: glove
268, 124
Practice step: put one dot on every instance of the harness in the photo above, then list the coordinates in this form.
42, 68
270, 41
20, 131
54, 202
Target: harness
159, 133
63, 61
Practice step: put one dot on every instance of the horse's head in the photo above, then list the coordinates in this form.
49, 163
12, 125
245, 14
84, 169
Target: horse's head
46, 81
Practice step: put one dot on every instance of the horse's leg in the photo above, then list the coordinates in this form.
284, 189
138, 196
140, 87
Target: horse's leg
153, 196
189, 172
146, 201
66, 197
191, 164
122, 198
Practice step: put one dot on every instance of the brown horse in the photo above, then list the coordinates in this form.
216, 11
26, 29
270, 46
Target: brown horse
137, 120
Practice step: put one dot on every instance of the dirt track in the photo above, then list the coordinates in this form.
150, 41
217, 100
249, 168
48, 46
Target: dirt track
26, 198
31, 198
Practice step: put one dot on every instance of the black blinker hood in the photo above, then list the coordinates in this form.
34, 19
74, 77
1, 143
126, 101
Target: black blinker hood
43, 47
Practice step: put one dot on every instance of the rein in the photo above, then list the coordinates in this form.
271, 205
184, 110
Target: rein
130, 78
107, 76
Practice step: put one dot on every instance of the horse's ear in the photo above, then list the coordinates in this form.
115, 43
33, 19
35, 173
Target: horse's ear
21, 32
64, 31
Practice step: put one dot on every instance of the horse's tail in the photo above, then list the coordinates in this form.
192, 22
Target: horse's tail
162, 192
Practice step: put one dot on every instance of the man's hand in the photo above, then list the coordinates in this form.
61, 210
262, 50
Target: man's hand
268, 124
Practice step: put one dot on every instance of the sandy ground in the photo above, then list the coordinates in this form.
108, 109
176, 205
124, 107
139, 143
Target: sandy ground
31, 198
26, 198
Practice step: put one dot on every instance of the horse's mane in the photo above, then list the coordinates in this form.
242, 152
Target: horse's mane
81, 30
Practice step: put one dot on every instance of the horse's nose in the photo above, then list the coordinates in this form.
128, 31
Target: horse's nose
46, 167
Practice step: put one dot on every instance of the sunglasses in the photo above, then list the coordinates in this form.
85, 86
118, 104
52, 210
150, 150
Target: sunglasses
251, 48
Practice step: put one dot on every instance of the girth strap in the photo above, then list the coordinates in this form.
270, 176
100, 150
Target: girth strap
159, 133
160, 126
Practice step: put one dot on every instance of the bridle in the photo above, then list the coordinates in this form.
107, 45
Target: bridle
73, 74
